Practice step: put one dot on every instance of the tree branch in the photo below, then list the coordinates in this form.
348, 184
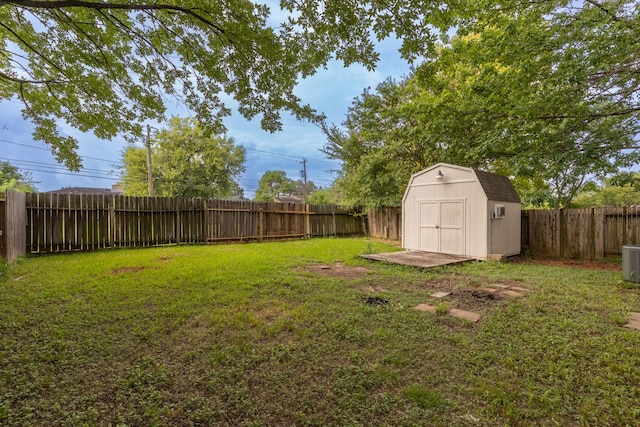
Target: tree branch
62, 4
34, 50
606, 11
27, 81
624, 112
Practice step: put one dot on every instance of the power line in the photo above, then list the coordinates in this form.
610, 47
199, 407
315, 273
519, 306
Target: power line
68, 173
57, 169
285, 157
49, 151
18, 162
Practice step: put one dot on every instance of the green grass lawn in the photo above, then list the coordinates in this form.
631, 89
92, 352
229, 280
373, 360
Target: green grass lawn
263, 335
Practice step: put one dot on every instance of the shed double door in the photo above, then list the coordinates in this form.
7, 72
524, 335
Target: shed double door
442, 226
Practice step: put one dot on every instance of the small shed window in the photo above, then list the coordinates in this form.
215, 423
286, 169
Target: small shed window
499, 211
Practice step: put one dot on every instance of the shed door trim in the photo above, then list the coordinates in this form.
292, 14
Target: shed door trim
442, 225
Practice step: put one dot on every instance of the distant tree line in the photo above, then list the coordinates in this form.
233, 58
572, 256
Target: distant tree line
543, 92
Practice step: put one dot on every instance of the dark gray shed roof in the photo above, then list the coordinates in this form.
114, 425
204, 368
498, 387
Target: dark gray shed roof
498, 188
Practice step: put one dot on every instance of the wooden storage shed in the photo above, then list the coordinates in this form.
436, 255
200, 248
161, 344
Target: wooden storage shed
463, 211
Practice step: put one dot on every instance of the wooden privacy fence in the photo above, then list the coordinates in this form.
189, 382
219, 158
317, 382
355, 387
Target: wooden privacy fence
41, 223
569, 233
65, 223
582, 233
242, 221
385, 223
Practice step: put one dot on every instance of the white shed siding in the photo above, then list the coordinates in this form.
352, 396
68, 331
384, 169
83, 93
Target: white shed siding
452, 214
504, 233
458, 186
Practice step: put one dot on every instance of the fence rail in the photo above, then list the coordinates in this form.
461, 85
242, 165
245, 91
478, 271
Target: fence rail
66, 223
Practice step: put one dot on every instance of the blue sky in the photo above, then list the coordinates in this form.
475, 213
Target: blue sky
330, 91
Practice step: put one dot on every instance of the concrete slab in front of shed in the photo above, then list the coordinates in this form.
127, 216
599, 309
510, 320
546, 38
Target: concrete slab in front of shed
418, 258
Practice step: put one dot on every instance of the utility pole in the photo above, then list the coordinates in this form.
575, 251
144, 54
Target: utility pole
149, 168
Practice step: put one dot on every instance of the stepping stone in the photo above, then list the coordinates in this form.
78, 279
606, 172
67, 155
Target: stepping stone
519, 289
490, 290
462, 314
633, 322
454, 312
426, 307
440, 294
513, 293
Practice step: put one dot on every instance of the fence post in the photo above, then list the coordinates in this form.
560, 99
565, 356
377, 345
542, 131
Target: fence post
260, 230
112, 220
3, 227
624, 226
562, 240
16, 212
307, 221
335, 228
178, 220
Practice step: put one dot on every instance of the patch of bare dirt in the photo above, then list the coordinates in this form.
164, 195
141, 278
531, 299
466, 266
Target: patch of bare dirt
123, 270
375, 301
475, 293
374, 288
608, 265
339, 271
170, 257
474, 299
458, 281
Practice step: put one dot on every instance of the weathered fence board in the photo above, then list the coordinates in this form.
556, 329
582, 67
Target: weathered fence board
3, 229
15, 220
524, 231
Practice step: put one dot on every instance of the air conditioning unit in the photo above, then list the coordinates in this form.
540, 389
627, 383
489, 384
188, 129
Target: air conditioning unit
631, 263
499, 211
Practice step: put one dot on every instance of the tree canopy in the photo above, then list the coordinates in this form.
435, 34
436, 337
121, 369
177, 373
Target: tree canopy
619, 190
538, 91
106, 67
274, 183
186, 162
12, 179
